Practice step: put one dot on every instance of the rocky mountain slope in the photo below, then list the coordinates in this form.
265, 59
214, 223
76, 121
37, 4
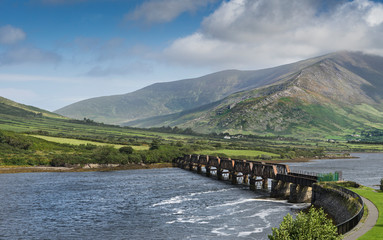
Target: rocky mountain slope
336, 93
172, 97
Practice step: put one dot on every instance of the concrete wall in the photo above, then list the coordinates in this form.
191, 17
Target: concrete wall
339, 205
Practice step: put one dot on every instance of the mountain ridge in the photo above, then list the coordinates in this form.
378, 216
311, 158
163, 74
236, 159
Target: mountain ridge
307, 97
331, 93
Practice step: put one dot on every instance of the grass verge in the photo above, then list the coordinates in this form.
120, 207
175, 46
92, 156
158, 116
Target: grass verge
375, 197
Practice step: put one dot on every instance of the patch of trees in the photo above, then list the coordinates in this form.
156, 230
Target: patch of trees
306, 226
175, 130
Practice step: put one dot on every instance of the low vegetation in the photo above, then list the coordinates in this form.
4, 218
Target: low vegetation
375, 197
306, 226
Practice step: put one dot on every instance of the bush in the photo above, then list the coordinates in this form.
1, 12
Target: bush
381, 184
311, 225
126, 150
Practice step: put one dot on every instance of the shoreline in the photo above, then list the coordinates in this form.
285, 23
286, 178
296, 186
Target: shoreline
32, 169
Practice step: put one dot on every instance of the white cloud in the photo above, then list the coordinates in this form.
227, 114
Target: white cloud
263, 33
25, 54
160, 11
10, 34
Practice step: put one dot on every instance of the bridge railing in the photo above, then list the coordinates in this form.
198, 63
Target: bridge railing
308, 182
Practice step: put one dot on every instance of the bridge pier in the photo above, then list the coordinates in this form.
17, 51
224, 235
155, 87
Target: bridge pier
199, 169
280, 189
219, 174
208, 171
300, 194
246, 179
265, 183
234, 179
252, 183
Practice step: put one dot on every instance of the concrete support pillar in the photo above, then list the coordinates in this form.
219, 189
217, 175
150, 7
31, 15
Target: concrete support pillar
300, 194
252, 183
245, 179
219, 174
280, 189
199, 169
293, 193
191, 167
208, 171
265, 183
234, 179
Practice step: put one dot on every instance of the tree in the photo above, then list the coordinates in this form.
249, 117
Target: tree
155, 144
126, 150
311, 225
381, 184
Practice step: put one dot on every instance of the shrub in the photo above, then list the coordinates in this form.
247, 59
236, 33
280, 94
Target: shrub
311, 225
126, 150
381, 184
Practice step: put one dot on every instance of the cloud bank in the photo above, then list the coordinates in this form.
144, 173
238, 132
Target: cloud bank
263, 33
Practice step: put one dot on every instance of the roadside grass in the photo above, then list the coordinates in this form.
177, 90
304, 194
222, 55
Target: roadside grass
236, 153
72, 141
376, 197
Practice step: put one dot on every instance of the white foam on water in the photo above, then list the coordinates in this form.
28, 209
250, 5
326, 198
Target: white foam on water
248, 233
220, 232
173, 200
240, 201
212, 191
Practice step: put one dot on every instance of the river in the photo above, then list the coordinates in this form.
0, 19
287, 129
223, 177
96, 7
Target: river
150, 204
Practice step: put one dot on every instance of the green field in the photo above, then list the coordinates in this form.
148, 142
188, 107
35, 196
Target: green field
377, 198
79, 142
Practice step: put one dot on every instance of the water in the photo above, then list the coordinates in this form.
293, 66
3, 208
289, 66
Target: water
367, 169
136, 204
151, 204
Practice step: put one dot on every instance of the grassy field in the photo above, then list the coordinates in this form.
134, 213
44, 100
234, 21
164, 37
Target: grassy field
235, 153
377, 198
79, 142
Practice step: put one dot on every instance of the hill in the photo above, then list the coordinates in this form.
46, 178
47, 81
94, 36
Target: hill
9, 107
337, 93
172, 97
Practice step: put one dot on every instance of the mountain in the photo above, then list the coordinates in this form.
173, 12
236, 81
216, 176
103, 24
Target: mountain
336, 93
11, 108
333, 94
172, 97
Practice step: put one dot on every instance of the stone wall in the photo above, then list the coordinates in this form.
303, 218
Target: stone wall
339, 205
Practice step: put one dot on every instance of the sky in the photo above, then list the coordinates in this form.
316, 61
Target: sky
57, 52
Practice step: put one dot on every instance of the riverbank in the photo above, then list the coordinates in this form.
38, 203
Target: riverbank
27, 169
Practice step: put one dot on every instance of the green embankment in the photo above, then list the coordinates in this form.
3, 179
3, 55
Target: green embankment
377, 198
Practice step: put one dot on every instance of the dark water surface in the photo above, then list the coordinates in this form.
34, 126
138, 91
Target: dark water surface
151, 204
367, 169
136, 204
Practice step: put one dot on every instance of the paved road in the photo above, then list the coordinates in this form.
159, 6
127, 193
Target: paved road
362, 228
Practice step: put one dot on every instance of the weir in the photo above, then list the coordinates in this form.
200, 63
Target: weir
294, 187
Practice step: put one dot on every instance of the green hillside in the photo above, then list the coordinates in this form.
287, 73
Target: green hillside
336, 95
10, 107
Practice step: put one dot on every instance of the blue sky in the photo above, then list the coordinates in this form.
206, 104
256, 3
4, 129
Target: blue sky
56, 52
